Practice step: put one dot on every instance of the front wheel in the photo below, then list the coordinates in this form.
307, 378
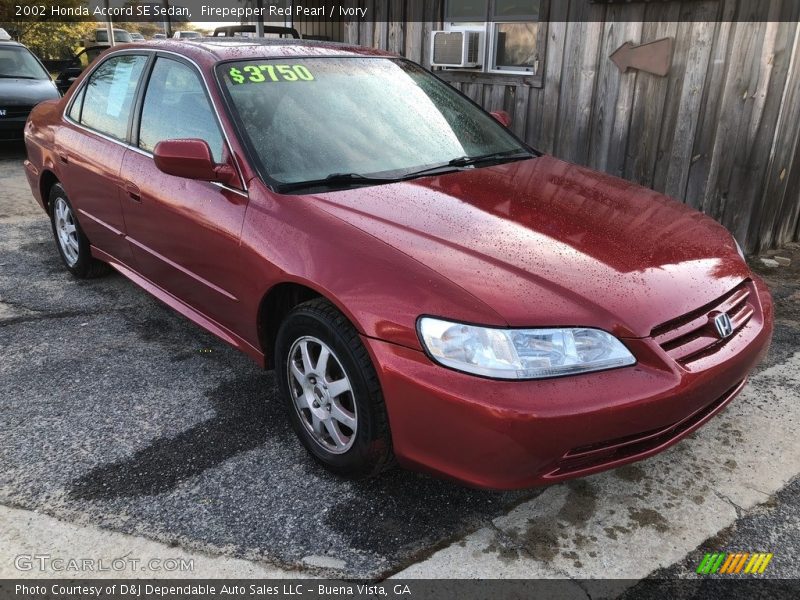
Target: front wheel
333, 394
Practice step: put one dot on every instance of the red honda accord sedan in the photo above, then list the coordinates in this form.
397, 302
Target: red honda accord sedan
428, 289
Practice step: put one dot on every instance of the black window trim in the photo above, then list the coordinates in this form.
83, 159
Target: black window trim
138, 96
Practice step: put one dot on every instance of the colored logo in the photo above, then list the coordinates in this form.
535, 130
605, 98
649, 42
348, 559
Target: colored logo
734, 563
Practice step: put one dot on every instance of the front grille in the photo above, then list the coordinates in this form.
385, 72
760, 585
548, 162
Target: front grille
12, 112
694, 336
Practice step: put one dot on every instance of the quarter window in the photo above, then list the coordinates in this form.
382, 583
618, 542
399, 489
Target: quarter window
109, 95
77, 104
176, 107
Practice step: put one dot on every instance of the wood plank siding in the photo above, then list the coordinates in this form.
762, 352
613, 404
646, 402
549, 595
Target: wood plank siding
720, 132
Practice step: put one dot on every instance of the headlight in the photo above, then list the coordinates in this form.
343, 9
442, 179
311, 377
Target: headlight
521, 353
739, 250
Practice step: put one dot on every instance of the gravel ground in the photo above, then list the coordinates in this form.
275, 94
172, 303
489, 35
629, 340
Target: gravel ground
120, 413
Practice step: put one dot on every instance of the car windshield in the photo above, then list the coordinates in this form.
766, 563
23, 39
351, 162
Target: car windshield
18, 62
309, 119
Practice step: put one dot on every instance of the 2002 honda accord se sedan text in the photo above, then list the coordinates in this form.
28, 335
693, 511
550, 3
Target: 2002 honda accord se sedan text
428, 289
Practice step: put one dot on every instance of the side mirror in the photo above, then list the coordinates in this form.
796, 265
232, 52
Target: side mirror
191, 159
503, 117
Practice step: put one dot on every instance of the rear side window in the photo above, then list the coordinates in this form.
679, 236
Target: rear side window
176, 107
109, 95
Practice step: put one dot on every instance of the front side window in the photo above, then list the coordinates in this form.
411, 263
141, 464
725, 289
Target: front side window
307, 119
176, 107
16, 62
109, 95
511, 28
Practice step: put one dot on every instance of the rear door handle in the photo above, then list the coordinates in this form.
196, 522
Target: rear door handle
133, 191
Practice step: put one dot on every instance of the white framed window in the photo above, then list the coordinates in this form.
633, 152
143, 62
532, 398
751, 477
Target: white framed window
513, 32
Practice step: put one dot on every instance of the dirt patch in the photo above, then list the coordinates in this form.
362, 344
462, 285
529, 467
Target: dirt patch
580, 504
612, 532
540, 540
647, 517
630, 473
505, 552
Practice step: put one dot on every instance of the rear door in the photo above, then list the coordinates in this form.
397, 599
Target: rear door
91, 147
183, 233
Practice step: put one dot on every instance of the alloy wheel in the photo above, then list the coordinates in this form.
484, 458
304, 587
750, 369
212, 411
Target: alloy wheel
66, 231
322, 394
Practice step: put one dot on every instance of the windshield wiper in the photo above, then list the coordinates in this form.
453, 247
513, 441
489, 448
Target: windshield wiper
6, 76
339, 179
468, 161
335, 179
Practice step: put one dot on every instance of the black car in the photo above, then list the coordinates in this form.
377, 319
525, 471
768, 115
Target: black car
24, 82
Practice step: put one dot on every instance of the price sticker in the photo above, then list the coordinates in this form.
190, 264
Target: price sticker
269, 74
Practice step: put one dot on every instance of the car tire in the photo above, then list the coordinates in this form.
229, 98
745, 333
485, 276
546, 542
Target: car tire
72, 243
336, 408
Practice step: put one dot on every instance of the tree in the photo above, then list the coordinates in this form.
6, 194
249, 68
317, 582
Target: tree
46, 37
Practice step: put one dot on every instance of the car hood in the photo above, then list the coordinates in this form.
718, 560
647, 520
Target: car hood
544, 242
26, 92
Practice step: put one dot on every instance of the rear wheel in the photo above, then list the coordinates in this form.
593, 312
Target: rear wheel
72, 244
334, 398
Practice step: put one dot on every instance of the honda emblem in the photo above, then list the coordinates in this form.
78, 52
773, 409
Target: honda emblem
723, 324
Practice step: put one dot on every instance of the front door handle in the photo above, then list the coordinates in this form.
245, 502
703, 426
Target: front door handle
64, 158
133, 191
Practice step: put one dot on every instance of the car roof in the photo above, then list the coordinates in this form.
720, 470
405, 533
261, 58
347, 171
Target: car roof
211, 50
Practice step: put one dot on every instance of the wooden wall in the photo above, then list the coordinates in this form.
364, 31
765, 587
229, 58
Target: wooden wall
721, 132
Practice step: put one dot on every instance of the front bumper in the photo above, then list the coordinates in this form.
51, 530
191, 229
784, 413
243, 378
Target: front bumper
507, 435
12, 128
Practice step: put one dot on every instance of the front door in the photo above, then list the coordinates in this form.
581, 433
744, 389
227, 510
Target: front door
184, 234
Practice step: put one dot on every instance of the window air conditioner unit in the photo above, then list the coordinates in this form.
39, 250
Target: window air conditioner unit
457, 48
